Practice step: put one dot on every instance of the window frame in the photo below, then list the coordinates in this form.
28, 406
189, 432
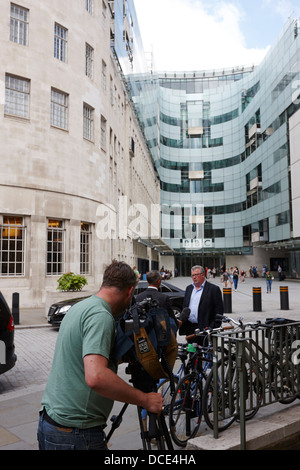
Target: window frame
89, 61
60, 43
55, 228
60, 109
85, 248
19, 28
88, 122
89, 6
15, 258
20, 95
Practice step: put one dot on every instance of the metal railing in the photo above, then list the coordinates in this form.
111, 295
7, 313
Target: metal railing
254, 367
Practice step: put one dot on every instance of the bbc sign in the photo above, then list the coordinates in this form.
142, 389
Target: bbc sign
197, 243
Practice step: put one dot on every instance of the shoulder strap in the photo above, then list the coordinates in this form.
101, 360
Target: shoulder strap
136, 321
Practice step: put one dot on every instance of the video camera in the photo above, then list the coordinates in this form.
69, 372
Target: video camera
146, 339
142, 308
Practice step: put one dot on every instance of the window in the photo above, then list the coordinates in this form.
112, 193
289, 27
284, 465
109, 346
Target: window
89, 60
17, 96
88, 122
89, 6
111, 91
59, 109
103, 133
12, 248
103, 75
104, 15
19, 24
60, 42
85, 247
55, 247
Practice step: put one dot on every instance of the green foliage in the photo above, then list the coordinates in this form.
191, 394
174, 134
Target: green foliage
71, 282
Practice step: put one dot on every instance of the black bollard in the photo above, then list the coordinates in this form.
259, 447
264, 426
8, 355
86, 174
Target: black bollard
227, 300
16, 308
256, 299
284, 298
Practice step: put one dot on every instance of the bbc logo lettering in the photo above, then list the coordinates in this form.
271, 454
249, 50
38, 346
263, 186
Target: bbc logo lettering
2, 353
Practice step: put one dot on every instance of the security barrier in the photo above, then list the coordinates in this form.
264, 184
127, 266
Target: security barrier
256, 299
227, 299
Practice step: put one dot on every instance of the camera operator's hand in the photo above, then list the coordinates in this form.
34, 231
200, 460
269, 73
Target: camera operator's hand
153, 402
105, 382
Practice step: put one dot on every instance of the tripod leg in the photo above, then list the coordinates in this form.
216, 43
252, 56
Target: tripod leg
165, 433
143, 428
116, 421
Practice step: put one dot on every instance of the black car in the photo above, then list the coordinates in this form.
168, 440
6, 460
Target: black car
7, 332
58, 310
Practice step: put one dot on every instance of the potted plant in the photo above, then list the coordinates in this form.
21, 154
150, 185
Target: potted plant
71, 282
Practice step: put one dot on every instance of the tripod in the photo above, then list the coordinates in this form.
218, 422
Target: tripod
153, 428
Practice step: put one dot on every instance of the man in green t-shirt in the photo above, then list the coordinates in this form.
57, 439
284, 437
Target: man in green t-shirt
83, 383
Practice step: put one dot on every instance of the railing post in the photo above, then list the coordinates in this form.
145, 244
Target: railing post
241, 378
215, 385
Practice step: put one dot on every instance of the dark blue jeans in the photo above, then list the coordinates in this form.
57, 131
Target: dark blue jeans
51, 437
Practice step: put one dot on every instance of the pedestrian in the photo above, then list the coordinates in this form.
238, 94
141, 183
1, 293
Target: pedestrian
226, 277
243, 275
204, 299
235, 277
83, 381
154, 281
137, 273
269, 279
230, 276
279, 269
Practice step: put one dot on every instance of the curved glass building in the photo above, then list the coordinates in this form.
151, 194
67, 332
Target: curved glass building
226, 146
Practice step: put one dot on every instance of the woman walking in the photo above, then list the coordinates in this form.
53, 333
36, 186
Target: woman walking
235, 277
269, 278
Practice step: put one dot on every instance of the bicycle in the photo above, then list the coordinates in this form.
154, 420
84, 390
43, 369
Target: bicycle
186, 403
166, 386
263, 371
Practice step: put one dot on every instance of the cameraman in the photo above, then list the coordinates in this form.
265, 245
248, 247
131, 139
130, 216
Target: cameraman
83, 383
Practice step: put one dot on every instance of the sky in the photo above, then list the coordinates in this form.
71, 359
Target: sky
195, 35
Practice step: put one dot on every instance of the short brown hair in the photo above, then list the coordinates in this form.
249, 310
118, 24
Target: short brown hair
120, 275
153, 277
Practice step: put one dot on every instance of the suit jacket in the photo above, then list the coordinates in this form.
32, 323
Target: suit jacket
210, 305
162, 299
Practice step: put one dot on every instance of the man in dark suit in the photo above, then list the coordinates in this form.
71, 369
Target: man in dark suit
154, 281
205, 302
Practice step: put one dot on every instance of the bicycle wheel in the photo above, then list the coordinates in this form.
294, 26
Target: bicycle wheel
186, 410
253, 389
284, 378
226, 398
164, 387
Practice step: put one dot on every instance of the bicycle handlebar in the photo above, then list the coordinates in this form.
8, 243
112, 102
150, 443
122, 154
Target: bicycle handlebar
208, 331
242, 324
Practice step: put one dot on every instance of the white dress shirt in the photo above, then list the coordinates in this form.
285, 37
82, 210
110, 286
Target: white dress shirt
194, 303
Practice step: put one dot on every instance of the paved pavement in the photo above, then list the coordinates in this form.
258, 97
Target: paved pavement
21, 388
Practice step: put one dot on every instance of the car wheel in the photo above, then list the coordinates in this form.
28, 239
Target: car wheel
177, 311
